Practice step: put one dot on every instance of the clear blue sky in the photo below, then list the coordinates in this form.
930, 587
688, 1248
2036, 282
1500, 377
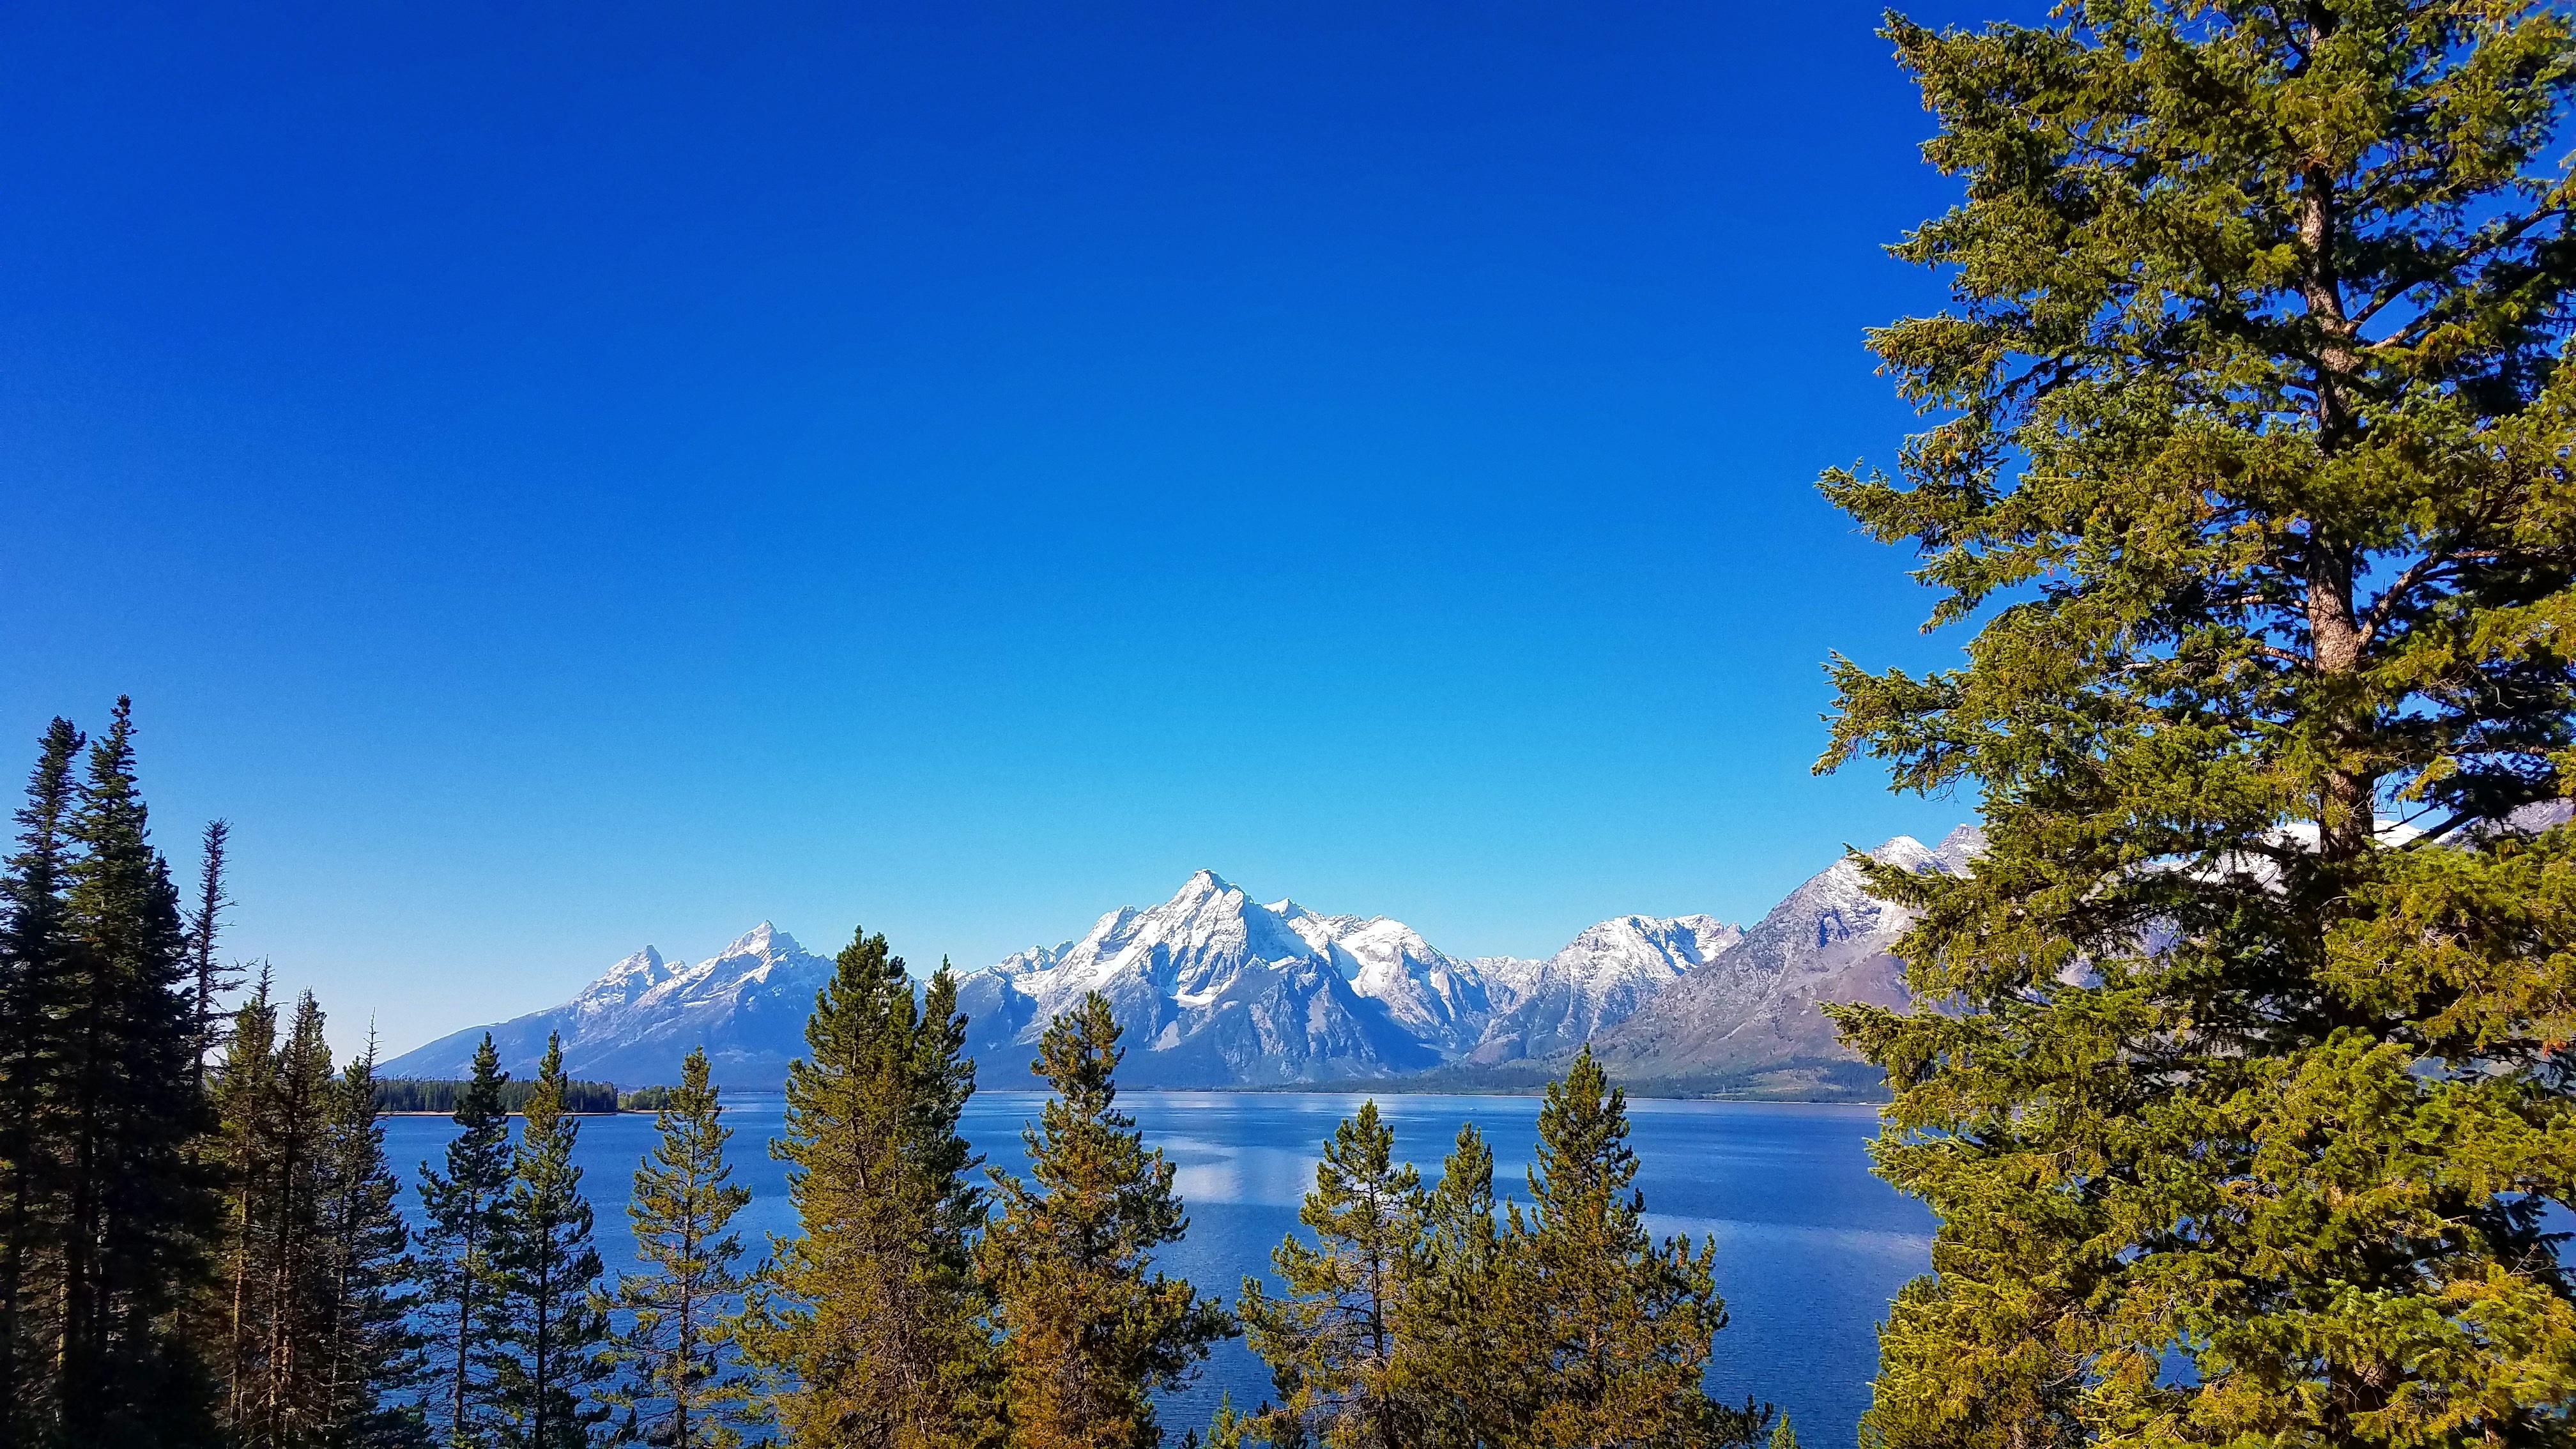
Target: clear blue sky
561, 477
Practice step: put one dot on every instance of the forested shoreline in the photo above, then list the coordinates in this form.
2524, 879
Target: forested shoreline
202, 1241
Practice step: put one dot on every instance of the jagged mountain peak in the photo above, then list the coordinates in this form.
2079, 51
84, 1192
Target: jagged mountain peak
760, 940
746, 1005
1963, 844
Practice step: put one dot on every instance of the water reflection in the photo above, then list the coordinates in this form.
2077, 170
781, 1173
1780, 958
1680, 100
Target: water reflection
1810, 1246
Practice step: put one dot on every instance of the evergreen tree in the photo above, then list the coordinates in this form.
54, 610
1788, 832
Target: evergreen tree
1331, 1343
294, 1406
674, 1342
275, 1333
374, 1366
457, 1274
134, 1210
34, 977
1782, 1436
244, 1151
2239, 1107
1621, 1327
205, 922
1463, 1326
1087, 1335
550, 1333
868, 1320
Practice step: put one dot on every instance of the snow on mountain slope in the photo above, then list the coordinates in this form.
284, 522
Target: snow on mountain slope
1600, 979
1754, 1009
1217, 989
1213, 989
1437, 1000
746, 1005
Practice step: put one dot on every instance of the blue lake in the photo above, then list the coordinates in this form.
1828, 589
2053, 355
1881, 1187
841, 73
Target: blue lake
1810, 1247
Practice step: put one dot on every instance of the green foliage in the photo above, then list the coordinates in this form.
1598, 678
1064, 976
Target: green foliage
207, 980
674, 1345
130, 1213
550, 1332
275, 1270
1619, 1327
35, 975
866, 1324
1464, 1331
2252, 468
643, 1099
458, 1276
1331, 1342
425, 1094
1087, 1334
374, 1364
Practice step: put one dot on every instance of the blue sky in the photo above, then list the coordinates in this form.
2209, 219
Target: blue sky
563, 477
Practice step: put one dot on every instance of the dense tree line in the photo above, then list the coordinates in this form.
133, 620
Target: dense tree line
203, 1244
423, 1094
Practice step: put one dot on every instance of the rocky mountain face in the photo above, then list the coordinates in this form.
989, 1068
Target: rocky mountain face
1216, 989
1748, 1021
746, 1005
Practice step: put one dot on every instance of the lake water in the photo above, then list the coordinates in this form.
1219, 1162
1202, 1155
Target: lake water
1810, 1247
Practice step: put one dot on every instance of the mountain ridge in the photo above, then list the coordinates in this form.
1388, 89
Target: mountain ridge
1219, 990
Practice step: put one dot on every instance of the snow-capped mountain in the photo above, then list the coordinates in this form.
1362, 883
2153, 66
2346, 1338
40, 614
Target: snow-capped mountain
1600, 979
746, 1005
1750, 1017
1216, 989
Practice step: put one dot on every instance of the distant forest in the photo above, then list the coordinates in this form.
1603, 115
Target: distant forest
406, 1094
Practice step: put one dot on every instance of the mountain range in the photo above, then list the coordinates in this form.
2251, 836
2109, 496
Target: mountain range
1216, 989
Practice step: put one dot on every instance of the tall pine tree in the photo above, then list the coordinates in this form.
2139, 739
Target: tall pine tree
243, 1154
675, 1345
1465, 1322
458, 1279
2240, 1105
375, 1365
1620, 1327
867, 1322
1331, 1342
135, 1210
276, 1328
1088, 1333
207, 980
549, 1348
35, 979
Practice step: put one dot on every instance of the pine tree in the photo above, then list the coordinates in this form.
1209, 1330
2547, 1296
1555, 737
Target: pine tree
374, 1365
867, 1321
1087, 1335
1782, 1436
2236, 1104
34, 978
135, 1210
549, 1347
455, 1242
294, 1405
274, 1330
674, 1343
1463, 1325
205, 922
1331, 1343
244, 1152
1621, 1327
